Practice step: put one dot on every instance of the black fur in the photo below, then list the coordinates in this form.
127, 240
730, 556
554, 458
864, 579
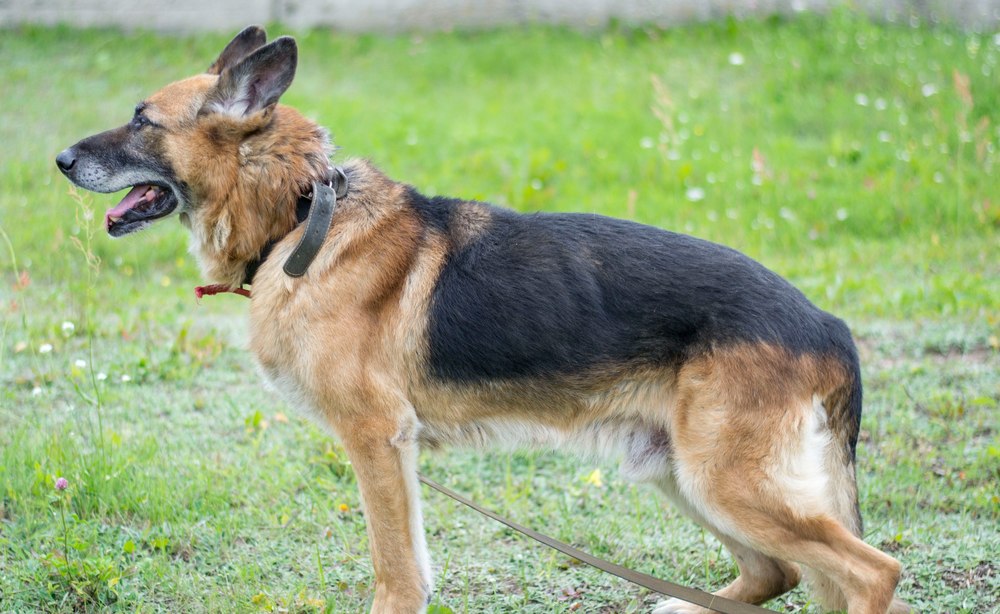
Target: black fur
553, 294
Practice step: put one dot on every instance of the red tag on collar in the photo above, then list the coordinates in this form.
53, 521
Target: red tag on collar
214, 289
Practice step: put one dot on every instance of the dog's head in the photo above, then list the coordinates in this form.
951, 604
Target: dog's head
185, 143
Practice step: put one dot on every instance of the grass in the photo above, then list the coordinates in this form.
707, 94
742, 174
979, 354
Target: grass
857, 159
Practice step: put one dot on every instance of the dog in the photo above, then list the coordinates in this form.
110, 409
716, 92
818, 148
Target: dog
419, 322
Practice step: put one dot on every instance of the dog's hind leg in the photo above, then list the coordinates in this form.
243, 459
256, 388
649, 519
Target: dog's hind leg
765, 467
761, 577
382, 448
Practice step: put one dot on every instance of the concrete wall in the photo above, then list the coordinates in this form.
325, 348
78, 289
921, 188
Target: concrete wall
404, 15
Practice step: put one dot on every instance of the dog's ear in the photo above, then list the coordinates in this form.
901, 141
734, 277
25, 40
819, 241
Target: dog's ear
257, 81
245, 43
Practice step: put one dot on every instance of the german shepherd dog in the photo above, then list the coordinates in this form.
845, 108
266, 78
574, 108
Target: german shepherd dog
428, 321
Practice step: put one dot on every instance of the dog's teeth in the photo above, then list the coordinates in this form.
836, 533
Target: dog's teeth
114, 218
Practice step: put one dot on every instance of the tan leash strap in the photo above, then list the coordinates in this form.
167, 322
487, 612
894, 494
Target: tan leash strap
691, 595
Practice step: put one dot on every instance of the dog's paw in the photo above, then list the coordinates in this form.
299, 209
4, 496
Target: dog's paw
677, 606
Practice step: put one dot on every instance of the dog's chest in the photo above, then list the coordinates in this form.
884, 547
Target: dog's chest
289, 351
283, 369
315, 344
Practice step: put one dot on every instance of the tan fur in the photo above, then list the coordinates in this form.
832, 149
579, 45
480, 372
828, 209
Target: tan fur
727, 435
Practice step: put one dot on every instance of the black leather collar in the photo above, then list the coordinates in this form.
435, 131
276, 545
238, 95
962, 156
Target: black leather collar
316, 210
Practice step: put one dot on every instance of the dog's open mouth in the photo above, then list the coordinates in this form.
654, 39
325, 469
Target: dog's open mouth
144, 203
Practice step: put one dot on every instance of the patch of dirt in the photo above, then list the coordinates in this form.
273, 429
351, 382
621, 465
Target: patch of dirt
978, 577
979, 354
871, 352
890, 546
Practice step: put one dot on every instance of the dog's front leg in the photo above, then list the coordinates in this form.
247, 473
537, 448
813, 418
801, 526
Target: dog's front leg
382, 448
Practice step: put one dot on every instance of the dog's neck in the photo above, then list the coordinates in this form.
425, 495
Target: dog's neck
272, 168
316, 209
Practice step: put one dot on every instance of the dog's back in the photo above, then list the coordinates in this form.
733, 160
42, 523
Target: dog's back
545, 294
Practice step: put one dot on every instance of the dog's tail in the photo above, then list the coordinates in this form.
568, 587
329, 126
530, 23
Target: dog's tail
843, 406
847, 406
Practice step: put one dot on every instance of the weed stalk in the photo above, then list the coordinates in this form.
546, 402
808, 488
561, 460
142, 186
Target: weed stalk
13, 263
92, 268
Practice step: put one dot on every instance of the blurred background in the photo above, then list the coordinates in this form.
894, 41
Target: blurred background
850, 146
409, 15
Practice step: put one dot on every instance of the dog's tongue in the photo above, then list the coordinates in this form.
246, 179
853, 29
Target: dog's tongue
133, 198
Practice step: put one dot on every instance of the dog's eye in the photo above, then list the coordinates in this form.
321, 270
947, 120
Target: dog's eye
138, 121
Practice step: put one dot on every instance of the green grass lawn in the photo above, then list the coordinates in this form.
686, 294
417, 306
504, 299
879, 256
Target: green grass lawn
859, 160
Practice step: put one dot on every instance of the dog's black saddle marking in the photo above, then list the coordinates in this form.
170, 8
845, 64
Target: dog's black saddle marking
556, 294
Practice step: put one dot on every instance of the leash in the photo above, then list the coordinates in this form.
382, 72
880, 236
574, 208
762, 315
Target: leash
691, 595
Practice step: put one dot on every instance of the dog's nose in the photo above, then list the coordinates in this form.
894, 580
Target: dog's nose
66, 159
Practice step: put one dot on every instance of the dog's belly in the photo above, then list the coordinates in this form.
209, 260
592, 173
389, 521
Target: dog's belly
628, 421
644, 451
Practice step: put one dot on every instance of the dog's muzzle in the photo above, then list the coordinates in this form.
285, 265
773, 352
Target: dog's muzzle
150, 198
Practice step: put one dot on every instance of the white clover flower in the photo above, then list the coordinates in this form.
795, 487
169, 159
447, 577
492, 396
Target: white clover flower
695, 194
45, 348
